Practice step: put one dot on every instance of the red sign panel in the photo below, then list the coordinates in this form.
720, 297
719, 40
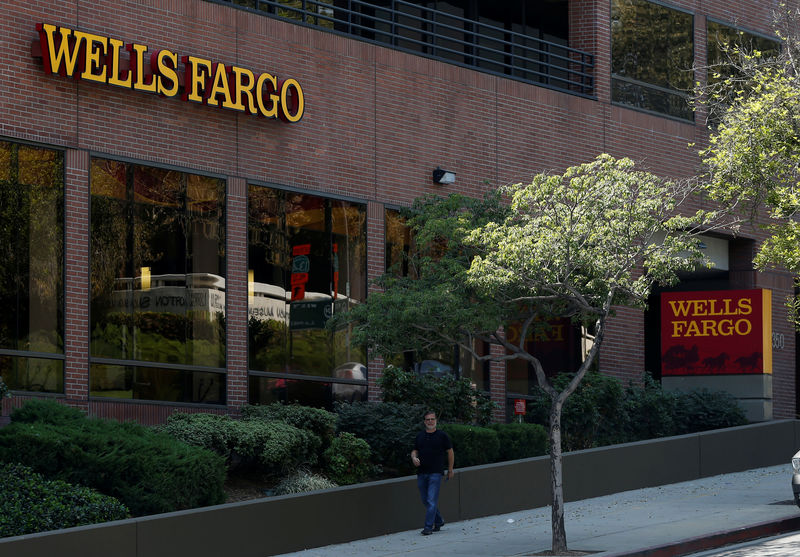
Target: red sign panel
519, 406
716, 332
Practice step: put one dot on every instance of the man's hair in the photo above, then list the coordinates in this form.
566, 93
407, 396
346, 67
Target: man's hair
428, 413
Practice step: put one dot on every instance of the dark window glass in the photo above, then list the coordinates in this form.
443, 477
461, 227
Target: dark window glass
31, 265
398, 244
723, 41
652, 52
32, 374
154, 383
158, 266
307, 260
556, 345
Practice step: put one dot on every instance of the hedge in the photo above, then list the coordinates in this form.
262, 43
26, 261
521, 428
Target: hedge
148, 471
30, 503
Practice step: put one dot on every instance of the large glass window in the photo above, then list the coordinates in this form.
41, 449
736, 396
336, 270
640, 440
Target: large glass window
157, 283
31, 267
652, 52
306, 260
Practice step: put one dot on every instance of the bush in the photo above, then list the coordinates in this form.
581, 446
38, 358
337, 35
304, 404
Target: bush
600, 413
46, 411
704, 410
320, 422
273, 447
590, 417
32, 504
146, 470
454, 400
520, 440
348, 459
301, 481
388, 427
473, 445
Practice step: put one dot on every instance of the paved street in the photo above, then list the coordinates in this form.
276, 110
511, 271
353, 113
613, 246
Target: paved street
777, 546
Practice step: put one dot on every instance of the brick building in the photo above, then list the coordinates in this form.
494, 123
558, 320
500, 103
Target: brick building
191, 186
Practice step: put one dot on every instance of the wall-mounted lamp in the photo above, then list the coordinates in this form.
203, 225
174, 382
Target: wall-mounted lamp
443, 176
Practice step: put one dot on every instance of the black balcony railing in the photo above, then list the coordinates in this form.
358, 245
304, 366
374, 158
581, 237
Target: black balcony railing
414, 28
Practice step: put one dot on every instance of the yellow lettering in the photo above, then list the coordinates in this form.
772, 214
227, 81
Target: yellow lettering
166, 63
64, 59
95, 47
743, 327
120, 78
140, 81
197, 71
267, 110
678, 328
240, 76
745, 306
297, 98
219, 85
680, 308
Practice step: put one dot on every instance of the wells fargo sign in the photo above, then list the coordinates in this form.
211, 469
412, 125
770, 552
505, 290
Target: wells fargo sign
91, 57
718, 332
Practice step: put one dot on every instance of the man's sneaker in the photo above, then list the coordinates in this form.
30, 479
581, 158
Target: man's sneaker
437, 527
427, 532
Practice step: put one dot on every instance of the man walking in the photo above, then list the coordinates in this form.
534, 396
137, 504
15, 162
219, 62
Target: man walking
430, 448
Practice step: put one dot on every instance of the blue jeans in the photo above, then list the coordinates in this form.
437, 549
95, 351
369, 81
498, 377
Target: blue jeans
429, 485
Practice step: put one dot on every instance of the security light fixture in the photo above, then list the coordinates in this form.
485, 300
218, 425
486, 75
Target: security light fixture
443, 176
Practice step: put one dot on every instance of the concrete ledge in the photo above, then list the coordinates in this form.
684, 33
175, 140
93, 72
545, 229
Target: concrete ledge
284, 524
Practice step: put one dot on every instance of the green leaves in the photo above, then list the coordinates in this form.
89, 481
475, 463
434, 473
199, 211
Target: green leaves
753, 156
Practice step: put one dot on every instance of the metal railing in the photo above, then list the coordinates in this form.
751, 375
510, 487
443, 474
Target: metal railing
416, 29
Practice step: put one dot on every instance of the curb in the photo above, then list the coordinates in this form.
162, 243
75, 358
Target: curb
716, 540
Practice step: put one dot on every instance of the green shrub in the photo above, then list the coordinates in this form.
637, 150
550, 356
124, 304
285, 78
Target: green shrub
520, 440
473, 445
454, 400
303, 480
703, 410
591, 415
648, 412
318, 421
270, 446
388, 427
278, 447
30, 504
348, 459
148, 471
46, 411
600, 413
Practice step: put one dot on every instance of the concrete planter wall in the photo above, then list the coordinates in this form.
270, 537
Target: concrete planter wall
277, 525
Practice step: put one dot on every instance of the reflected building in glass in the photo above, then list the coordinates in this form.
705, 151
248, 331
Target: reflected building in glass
188, 194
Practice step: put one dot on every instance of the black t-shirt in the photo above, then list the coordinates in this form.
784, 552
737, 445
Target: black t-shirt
431, 449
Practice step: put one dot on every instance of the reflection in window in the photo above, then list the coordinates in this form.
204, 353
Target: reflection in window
726, 45
31, 266
158, 269
154, 383
398, 244
557, 346
306, 261
652, 51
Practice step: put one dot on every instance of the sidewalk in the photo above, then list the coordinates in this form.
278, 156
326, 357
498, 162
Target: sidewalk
675, 519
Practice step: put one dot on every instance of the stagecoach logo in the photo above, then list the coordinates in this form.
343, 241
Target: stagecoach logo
91, 57
718, 332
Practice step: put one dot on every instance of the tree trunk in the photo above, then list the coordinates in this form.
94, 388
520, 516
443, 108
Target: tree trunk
556, 477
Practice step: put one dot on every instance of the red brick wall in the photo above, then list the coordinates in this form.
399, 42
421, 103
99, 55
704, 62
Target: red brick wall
377, 122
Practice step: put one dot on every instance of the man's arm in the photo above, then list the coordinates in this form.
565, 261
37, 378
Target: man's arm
451, 457
415, 457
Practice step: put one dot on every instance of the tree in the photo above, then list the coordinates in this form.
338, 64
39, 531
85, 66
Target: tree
571, 245
753, 157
